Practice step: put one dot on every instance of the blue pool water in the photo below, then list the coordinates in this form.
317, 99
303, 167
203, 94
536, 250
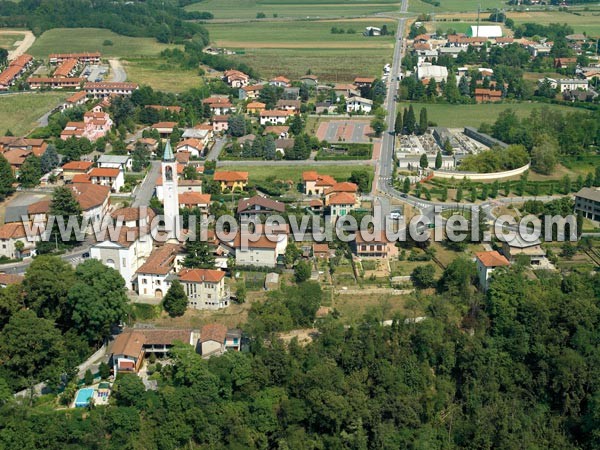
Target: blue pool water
83, 397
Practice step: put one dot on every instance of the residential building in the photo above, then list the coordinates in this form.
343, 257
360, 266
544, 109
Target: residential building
364, 81
340, 204
283, 145
77, 99
518, 248
205, 288
213, 339
141, 217
564, 63
121, 162
106, 89
280, 131
220, 123
487, 263
310, 80
192, 145
55, 83
164, 128
112, 178
274, 117
84, 58
487, 95
195, 200
10, 234
250, 92
374, 245
218, 105
154, 277
573, 84
280, 81
72, 168
587, 202
66, 69
96, 124
429, 71
359, 104
321, 250
257, 249
235, 78
232, 181
8, 279
288, 105
16, 68
250, 208
346, 90
315, 184
36, 146
255, 107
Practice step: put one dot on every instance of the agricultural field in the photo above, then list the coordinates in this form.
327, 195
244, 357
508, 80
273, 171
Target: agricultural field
248, 9
459, 116
583, 21
161, 76
19, 112
65, 40
294, 172
291, 48
454, 5
8, 40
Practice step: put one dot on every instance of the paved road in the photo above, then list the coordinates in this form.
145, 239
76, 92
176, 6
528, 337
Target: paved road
302, 162
215, 151
146, 190
118, 73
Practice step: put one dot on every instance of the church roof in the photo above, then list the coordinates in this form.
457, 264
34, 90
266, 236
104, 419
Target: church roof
168, 154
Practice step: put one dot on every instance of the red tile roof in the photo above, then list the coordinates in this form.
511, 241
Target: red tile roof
194, 199
201, 275
342, 198
230, 176
13, 230
81, 166
492, 259
104, 172
213, 332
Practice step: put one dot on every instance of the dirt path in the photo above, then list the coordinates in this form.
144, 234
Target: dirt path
24, 44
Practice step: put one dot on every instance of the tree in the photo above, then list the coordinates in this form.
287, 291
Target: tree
197, 253
63, 207
98, 300
459, 194
398, 123
237, 125
378, 125
104, 370
46, 286
302, 272
6, 178
361, 179
292, 253
129, 390
240, 292
410, 121
423, 277
140, 157
175, 301
406, 185
451, 91
30, 172
31, 349
544, 155
297, 125
190, 172
423, 121
49, 160
270, 147
438, 160
88, 377
423, 161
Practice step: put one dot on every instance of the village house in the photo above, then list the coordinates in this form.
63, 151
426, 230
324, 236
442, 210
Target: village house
192, 199
72, 168
112, 178
154, 277
66, 69
148, 144
10, 234
280, 131
36, 146
250, 92
325, 108
121, 162
289, 105
96, 124
587, 202
519, 249
340, 204
192, 145
257, 249
309, 80
487, 263
487, 95
83, 58
232, 181
321, 250
364, 81
564, 63
280, 81
141, 217
109, 88
164, 128
77, 99
205, 288
15, 69
359, 104
274, 117
346, 90
283, 145
220, 123
235, 78
315, 184
250, 208
216, 339
255, 107
374, 245
54, 82
218, 105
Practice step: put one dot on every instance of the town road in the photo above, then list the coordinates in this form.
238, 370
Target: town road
215, 151
145, 191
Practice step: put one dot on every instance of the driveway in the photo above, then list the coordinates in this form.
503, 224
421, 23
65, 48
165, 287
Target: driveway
118, 73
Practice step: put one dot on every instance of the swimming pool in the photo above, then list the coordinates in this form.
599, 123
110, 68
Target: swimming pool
83, 397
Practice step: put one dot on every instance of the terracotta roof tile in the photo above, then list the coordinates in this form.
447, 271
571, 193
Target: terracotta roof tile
201, 275
492, 259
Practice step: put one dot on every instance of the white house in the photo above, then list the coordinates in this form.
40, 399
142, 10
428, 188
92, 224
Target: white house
10, 234
113, 178
274, 117
359, 104
487, 262
121, 162
257, 251
205, 288
192, 145
154, 277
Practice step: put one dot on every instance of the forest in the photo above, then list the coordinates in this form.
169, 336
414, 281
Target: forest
517, 367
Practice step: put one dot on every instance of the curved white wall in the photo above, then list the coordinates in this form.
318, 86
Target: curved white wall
473, 176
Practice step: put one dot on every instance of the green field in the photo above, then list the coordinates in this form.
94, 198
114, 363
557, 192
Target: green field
291, 48
8, 40
161, 76
454, 5
247, 9
65, 40
459, 116
294, 172
585, 21
19, 112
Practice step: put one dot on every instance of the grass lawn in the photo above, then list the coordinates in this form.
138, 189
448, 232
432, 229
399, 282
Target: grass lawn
459, 116
291, 48
65, 40
294, 172
160, 76
19, 112
247, 9
8, 40
586, 21
353, 307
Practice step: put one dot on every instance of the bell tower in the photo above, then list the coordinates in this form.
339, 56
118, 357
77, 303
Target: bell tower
170, 193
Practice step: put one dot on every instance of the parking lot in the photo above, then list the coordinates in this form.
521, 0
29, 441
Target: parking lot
352, 131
